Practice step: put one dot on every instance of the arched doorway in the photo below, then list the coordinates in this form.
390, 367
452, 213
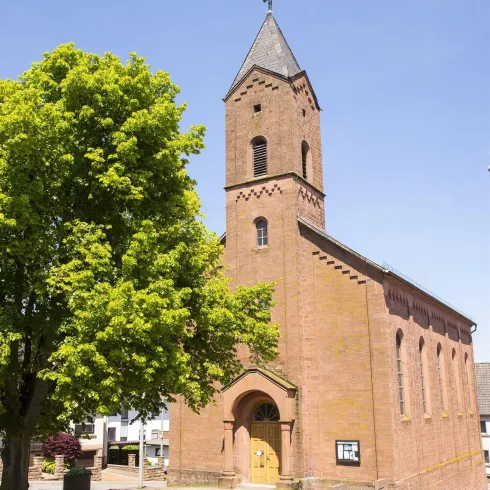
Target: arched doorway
265, 444
258, 416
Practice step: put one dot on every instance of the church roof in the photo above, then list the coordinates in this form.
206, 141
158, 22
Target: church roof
270, 51
386, 269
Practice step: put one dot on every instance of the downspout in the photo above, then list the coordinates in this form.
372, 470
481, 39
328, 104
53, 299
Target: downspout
372, 379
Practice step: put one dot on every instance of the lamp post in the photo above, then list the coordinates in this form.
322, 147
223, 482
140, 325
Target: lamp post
161, 437
142, 449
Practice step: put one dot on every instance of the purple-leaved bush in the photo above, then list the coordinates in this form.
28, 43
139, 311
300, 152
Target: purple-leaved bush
62, 444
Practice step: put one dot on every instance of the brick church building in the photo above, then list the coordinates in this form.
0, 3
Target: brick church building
374, 386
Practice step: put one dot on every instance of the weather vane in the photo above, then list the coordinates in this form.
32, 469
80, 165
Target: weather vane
270, 4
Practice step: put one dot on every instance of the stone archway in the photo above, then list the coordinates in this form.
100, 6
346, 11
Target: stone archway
254, 387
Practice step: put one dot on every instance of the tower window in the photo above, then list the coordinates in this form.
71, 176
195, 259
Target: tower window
305, 160
262, 238
257, 108
260, 157
304, 112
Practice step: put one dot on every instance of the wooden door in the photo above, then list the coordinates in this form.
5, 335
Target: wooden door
266, 452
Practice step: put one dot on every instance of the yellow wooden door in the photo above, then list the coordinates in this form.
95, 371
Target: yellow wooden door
266, 452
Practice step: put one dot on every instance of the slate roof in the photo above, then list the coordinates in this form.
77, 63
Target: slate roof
270, 51
482, 371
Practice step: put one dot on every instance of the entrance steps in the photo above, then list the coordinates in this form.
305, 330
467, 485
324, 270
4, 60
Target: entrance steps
255, 486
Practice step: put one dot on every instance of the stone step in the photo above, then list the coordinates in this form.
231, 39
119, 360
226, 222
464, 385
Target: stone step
255, 486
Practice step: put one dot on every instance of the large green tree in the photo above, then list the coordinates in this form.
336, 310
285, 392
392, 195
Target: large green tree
111, 289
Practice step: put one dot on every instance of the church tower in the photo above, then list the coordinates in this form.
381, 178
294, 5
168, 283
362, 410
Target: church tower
273, 126
273, 175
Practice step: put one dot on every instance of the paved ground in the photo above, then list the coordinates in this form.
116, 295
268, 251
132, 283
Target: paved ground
97, 485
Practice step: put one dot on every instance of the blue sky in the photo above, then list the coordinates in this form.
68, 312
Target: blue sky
404, 88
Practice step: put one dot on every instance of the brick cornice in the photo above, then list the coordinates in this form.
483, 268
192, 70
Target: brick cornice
267, 178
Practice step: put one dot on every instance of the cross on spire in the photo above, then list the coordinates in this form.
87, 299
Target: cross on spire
270, 4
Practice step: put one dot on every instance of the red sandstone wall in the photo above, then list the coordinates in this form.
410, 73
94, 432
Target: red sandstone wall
337, 391
437, 445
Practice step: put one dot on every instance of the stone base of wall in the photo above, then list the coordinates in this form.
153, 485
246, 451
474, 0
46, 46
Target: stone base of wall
192, 477
325, 483
150, 473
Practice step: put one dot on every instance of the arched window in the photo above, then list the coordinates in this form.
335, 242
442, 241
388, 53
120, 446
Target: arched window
441, 377
456, 380
422, 375
266, 412
260, 157
399, 365
262, 235
468, 384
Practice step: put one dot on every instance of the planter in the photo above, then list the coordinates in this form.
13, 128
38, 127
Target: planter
76, 482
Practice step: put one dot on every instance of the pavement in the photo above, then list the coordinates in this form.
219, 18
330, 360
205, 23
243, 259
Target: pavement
58, 485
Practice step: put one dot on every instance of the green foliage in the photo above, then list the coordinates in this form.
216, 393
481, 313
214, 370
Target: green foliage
131, 447
108, 272
48, 466
78, 471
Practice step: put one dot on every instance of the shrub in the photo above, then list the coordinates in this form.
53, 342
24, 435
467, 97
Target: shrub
78, 471
62, 444
48, 466
131, 447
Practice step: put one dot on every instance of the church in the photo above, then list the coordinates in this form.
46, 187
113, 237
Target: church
374, 385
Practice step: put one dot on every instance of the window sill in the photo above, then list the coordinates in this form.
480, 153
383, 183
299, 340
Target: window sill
406, 419
427, 417
460, 414
445, 415
471, 413
264, 247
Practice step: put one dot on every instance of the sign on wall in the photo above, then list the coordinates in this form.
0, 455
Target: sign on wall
348, 452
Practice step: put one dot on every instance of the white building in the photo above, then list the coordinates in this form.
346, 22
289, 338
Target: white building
119, 430
483, 389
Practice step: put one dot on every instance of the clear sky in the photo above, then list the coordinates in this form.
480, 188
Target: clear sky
404, 88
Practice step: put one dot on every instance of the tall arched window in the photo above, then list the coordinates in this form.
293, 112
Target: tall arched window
423, 380
262, 235
468, 384
456, 380
441, 377
305, 154
260, 157
399, 365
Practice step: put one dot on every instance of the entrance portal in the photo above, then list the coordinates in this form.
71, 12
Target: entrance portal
265, 444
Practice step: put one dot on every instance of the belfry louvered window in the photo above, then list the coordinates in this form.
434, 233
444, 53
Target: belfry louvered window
304, 159
260, 157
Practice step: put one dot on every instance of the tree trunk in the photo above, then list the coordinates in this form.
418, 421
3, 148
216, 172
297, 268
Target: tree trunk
15, 456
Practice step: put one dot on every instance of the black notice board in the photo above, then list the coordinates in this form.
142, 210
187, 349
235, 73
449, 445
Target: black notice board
348, 453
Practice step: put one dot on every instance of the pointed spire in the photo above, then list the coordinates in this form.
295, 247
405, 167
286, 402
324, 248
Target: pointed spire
271, 51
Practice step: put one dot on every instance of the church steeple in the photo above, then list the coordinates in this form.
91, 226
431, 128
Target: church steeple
269, 51
273, 139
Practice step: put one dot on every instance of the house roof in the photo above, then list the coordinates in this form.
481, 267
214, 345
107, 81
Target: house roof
482, 371
270, 51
